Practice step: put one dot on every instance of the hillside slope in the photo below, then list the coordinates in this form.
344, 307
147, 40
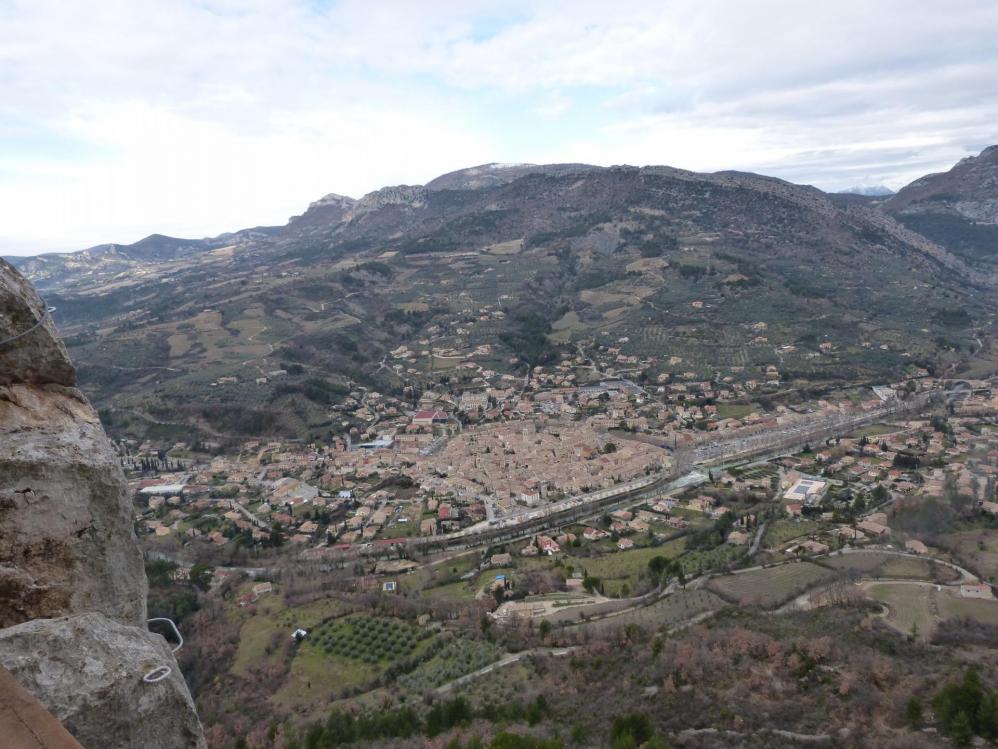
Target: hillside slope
957, 209
693, 275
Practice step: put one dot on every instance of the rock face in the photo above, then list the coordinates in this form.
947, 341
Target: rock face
969, 190
90, 678
66, 538
72, 581
38, 356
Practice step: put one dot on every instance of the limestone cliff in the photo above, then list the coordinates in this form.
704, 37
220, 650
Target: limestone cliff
66, 538
72, 582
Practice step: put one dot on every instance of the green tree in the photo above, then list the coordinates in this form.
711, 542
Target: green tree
967, 707
201, 575
632, 729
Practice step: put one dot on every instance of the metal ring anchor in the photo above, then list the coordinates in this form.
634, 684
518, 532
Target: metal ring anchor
161, 672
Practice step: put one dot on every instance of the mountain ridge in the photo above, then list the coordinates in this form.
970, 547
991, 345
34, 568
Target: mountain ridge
684, 269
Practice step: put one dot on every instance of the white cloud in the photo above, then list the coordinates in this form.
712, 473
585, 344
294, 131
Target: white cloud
122, 118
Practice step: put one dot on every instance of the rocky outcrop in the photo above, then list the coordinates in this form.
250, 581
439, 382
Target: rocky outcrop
88, 671
72, 581
968, 190
36, 355
66, 538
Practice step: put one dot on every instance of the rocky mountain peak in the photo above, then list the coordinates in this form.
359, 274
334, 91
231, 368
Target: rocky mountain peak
969, 190
407, 195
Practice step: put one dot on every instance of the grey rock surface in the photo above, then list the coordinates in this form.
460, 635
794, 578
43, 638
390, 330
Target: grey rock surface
72, 581
87, 670
38, 356
67, 543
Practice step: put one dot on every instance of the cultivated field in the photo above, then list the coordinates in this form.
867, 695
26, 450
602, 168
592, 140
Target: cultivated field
368, 639
877, 564
618, 568
666, 613
784, 530
770, 587
911, 607
919, 607
954, 607
456, 658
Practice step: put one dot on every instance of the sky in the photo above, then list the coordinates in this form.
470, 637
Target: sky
190, 118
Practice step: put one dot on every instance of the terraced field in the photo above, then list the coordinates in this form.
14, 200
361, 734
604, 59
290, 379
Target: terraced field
874, 564
666, 613
770, 587
456, 658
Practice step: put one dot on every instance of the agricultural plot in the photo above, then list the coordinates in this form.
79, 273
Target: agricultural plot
952, 606
704, 560
911, 607
368, 639
261, 631
754, 473
782, 531
672, 611
878, 564
770, 587
458, 657
503, 685
627, 566
734, 410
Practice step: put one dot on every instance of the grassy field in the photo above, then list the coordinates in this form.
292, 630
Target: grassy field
734, 410
873, 430
697, 561
627, 566
771, 587
954, 607
346, 653
874, 564
424, 578
910, 607
467, 589
271, 623
784, 530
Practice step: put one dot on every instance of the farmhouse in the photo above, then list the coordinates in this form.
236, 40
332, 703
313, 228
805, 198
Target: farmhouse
547, 545
872, 528
976, 590
916, 546
814, 547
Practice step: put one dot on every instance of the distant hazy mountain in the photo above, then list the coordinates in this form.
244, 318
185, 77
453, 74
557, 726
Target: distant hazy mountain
873, 191
56, 269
